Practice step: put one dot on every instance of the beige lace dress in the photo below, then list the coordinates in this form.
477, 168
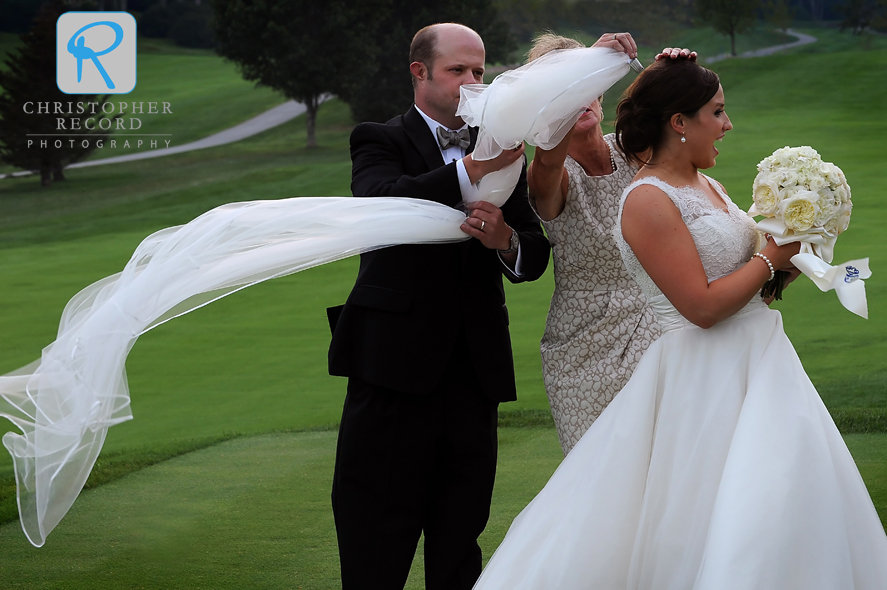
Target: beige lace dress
598, 323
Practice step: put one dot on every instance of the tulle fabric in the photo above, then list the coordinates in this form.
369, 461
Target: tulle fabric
537, 103
65, 402
716, 468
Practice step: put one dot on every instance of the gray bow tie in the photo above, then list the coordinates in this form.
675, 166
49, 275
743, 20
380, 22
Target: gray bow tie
447, 138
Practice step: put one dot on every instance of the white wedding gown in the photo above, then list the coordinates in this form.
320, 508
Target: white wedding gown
716, 468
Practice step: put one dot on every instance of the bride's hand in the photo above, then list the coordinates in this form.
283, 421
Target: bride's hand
780, 256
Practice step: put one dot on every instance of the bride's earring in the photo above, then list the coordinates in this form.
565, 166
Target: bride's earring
683, 139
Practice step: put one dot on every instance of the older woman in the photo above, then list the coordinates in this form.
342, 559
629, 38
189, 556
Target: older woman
598, 323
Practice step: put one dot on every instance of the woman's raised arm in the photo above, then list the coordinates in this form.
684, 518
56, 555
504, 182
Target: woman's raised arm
547, 179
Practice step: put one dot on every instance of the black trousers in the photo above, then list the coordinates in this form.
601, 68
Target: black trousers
408, 464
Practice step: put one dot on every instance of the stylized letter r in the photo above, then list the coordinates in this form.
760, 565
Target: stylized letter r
77, 47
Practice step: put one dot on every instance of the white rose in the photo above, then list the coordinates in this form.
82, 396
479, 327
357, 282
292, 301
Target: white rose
781, 158
766, 195
842, 192
840, 221
815, 183
828, 206
799, 211
811, 170
807, 152
789, 178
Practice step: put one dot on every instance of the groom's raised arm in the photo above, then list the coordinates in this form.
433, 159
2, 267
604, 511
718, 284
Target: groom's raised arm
377, 169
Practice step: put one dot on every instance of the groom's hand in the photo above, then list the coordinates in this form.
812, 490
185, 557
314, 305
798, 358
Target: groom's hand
485, 223
477, 169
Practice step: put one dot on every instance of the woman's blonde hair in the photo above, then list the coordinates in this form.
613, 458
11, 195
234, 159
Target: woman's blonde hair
548, 41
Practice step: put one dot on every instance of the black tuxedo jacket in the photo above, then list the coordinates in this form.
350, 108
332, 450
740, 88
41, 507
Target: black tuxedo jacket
400, 325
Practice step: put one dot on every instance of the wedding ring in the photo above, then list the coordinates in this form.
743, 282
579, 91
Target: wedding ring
482, 224
615, 35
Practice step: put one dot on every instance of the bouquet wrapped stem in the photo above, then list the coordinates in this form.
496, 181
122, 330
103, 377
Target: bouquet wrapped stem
773, 287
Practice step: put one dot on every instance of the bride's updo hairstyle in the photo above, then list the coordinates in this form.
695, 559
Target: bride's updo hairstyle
663, 89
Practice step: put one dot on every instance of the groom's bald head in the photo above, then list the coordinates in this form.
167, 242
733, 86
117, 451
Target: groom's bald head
429, 41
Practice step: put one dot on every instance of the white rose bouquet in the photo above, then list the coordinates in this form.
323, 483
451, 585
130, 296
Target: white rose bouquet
804, 199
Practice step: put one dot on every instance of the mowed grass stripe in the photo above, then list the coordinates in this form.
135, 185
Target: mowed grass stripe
251, 512
255, 513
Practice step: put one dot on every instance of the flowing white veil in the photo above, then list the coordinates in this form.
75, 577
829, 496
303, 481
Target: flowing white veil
65, 402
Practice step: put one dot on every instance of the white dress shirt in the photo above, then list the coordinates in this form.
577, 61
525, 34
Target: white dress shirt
455, 153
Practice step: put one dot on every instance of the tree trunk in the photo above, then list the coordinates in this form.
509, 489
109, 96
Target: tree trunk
733, 42
45, 175
311, 104
58, 172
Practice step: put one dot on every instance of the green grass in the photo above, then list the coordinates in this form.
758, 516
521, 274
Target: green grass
215, 99
247, 513
255, 513
206, 94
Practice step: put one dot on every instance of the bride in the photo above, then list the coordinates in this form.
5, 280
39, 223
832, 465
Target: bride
717, 467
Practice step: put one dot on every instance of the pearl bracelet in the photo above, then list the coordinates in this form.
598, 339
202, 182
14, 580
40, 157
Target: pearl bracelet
767, 260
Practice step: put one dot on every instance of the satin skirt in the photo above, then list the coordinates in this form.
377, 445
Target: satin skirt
717, 467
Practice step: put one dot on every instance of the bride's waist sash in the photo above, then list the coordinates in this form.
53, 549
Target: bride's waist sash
670, 318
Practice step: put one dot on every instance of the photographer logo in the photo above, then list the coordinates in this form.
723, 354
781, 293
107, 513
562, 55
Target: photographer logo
96, 53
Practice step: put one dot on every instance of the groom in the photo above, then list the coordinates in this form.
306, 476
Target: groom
423, 339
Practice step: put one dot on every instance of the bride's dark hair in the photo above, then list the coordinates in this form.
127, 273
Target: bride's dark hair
663, 89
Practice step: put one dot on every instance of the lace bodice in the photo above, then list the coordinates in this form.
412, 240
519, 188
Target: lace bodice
725, 240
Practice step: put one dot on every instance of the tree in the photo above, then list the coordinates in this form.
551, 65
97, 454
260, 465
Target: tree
381, 87
302, 48
816, 8
779, 13
728, 17
526, 18
28, 82
859, 15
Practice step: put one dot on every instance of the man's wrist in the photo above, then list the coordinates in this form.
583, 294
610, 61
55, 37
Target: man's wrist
513, 244
473, 169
